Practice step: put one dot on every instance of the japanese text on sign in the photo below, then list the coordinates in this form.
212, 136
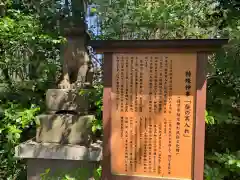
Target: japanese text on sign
153, 115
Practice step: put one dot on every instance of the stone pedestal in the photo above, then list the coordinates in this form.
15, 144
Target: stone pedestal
59, 158
58, 166
66, 100
63, 138
64, 129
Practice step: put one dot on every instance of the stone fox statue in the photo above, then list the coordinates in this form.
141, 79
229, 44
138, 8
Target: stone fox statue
77, 68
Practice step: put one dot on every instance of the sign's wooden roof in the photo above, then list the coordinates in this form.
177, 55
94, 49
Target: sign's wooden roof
207, 45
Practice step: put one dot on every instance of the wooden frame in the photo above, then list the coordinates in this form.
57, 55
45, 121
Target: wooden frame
199, 129
177, 45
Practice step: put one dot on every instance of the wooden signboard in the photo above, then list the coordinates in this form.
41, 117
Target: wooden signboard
154, 103
152, 114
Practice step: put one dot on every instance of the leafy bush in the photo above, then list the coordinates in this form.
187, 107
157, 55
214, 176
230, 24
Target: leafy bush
29, 63
15, 119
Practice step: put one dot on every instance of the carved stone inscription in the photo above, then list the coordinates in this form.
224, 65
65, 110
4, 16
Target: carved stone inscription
153, 115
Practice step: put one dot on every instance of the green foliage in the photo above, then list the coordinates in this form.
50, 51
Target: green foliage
14, 120
138, 19
220, 166
95, 99
29, 63
209, 119
29, 52
98, 103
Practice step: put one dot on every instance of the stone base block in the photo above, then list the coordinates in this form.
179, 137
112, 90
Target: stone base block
59, 168
59, 159
64, 129
34, 150
66, 100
